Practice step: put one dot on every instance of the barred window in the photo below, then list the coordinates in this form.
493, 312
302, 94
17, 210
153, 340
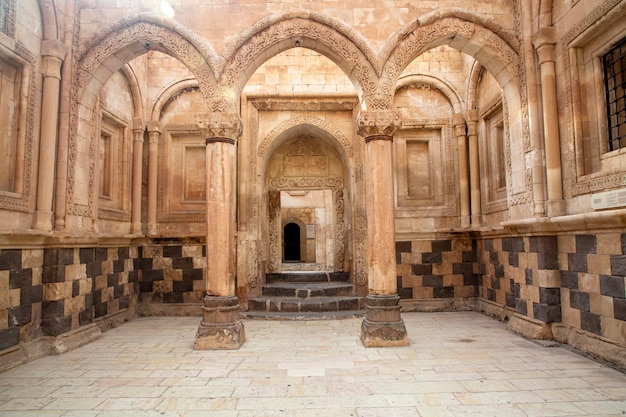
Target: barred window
614, 63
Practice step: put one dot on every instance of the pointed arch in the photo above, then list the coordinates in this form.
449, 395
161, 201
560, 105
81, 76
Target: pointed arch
170, 92
444, 87
315, 31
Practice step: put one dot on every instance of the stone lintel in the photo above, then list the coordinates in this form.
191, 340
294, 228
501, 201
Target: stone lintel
382, 325
221, 327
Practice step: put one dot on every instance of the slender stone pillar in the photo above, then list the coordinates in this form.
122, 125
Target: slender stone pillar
135, 219
154, 133
458, 121
382, 325
474, 168
544, 41
221, 327
53, 53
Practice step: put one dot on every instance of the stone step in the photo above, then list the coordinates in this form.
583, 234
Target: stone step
307, 277
302, 305
304, 316
308, 289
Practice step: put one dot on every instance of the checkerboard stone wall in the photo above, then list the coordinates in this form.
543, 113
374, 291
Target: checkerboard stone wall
173, 273
436, 269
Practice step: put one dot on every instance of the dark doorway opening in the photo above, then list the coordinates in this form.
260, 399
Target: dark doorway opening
291, 239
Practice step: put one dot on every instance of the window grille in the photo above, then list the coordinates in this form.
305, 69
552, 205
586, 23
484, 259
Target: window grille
614, 63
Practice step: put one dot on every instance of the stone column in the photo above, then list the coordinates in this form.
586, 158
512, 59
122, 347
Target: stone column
135, 217
474, 167
154, 132
458, 121
221, 327
382, 325
544, 41
53, 53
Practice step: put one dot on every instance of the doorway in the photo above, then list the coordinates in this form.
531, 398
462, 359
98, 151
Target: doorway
291, 243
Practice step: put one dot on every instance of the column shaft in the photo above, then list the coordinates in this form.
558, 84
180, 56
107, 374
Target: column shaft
137, 176
474, 168
53, 52
460, 132
153, 158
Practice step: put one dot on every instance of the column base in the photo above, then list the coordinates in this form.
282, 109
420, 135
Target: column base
42, 220
556, 207
220, 327
382, 325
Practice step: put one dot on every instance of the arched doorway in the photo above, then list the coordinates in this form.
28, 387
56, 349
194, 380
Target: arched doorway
291, 243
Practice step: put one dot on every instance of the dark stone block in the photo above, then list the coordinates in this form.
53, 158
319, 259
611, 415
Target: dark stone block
31, 295
618, 265
146, 286
58, 256
619, 308
499, 271
20, 278
586, 244
52, 273
591, 322
514, 259
432, 281
21, 315
112, 280
10, 259
510, 300
182, 263
612, 286
204, 251
547, 261
569, 280
183, 286
85, 317
172, 251
443, 292
517, 244
507, 245
118, 291
75, 288
494, 282
53, 309
102, 254
193, 274
97, 297
528, 275
517, 289
153, 275
488, 244
402, 247
133, 276
124, 302
432, 257
9, 337
521, 307
494, 258
470, 279
137, 263
577, 262
56, 326
623, 243
123, 253
87, 255
442, 245
173, 297
146, 264
550, 296
468, 256
118, 265
579, 300
491, 294
544, 244
465, 268
420, 269
547, 313
100, 309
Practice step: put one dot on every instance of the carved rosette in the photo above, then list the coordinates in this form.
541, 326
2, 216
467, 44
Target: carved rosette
376, 123
219, 126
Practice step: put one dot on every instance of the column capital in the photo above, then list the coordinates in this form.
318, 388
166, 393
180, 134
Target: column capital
458, 122
224, 126
544, 41
381, 123
53, 48
153, 127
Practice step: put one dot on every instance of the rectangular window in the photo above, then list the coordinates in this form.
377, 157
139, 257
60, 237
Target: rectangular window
614, 63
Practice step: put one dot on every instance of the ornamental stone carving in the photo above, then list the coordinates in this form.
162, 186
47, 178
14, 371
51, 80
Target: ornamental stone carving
378, 123
219, 125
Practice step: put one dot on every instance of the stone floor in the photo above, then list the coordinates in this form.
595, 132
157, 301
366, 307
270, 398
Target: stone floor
457, 364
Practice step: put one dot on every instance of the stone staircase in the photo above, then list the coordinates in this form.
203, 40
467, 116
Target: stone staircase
306, 296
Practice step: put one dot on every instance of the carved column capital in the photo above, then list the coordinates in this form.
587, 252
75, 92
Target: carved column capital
458, 122
544, 41
378, 123
225, 127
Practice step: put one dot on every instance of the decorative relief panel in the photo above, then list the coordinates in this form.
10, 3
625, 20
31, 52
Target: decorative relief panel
305, 158
8, 17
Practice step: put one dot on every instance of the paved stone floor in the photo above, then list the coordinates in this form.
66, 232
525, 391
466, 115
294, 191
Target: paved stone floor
457, 364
